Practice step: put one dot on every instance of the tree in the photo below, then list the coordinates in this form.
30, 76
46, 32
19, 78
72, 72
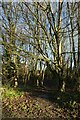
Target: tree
9, 40
78, 23
46, 37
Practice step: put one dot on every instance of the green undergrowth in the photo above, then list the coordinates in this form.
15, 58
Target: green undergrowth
9, 92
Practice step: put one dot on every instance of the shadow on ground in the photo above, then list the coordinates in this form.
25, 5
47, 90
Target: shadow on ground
53, 102
69, 100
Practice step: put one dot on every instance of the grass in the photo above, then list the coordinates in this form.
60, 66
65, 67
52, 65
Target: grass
8, 92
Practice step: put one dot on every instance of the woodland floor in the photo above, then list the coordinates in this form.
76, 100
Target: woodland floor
40, 104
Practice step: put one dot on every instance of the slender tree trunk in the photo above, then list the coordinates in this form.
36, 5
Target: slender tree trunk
79, 34
59, 48
78, 46
72, 31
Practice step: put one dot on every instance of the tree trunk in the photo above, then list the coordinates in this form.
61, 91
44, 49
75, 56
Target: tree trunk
79, 46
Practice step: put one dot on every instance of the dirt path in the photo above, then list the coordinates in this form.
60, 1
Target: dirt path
36, 104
